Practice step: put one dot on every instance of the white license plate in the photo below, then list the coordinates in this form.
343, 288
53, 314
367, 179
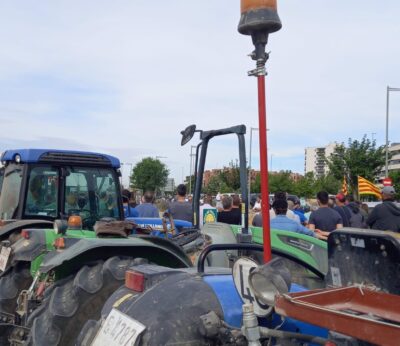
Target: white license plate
118, 329
4, 255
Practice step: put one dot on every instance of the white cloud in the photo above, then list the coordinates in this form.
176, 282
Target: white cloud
125, 77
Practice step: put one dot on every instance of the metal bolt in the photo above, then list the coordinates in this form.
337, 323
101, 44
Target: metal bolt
382, 247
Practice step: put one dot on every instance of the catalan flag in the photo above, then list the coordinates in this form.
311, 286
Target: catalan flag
344, 186
365, 187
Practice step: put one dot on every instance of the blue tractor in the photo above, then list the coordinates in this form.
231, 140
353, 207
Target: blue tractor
221, 306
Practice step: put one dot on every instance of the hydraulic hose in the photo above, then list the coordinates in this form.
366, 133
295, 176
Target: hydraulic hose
266, 332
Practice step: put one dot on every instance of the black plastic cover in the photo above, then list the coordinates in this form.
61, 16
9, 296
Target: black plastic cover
358, 256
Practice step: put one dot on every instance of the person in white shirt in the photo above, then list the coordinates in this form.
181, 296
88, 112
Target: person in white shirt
257, 205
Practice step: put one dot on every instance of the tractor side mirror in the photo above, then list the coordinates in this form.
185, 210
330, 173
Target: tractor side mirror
187, 134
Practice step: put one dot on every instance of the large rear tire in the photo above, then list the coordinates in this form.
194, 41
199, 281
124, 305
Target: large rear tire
18, 278
80, 298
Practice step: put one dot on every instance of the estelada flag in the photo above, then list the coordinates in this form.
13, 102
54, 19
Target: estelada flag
344, 186
365, 187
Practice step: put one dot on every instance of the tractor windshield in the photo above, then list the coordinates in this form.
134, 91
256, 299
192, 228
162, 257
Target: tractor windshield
10, 191
91, 193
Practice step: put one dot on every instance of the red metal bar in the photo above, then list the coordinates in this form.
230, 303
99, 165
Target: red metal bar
262, 125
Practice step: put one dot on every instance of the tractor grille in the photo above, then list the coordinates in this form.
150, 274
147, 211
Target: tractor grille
71, 158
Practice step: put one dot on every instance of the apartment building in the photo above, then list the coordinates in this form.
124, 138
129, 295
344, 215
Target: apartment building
315, 159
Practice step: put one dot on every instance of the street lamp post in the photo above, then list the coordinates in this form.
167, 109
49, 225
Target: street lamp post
388, 90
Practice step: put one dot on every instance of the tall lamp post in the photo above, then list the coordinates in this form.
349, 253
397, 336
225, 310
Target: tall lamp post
388, 90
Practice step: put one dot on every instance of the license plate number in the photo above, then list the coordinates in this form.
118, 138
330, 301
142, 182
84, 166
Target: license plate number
4, 255
118, 329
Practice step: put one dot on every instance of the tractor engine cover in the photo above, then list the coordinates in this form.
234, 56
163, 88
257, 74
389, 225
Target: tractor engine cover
359, 256
258, 16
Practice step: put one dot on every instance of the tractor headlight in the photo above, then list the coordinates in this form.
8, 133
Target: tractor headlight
270, 279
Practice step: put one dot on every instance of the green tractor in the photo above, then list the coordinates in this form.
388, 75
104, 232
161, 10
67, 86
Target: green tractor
70, 275
41, 190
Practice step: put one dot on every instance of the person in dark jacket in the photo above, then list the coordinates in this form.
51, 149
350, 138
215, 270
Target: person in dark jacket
356, 218
341, 208
385, 216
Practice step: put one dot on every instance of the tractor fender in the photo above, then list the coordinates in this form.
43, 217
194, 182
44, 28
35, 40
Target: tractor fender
8, 229
156, 250
29, 249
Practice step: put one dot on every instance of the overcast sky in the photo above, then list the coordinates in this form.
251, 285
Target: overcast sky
125, 77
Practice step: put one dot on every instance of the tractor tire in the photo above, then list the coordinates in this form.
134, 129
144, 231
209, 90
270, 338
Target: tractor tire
18, 278
80, 298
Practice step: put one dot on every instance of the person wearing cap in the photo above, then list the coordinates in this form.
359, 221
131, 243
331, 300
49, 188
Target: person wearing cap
341, 208
385, 216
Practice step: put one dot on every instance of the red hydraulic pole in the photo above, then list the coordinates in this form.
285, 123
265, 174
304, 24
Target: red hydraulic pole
259, 18
262, 124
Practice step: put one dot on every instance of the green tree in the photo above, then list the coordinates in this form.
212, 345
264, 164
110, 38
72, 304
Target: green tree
395, 175
358, 158
305, 187
327, 183
215, 185
231, 176
255, 186
281, 182
149, 175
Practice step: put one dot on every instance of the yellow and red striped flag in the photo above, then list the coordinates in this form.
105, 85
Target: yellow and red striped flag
365, 187
344, 186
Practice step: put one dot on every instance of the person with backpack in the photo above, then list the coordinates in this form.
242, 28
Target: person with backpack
385, 216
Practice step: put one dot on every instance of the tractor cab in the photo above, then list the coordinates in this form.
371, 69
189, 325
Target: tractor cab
40, 184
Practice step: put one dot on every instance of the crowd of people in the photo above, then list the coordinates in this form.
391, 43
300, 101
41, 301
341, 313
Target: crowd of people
330, 213
180, 207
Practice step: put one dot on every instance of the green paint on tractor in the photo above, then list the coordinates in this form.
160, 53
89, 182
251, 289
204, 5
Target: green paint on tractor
308, 249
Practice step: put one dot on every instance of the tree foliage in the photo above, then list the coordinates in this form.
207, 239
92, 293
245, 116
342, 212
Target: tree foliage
395, 175
280, 182
231, 176
149, 174
215, 185
358, 158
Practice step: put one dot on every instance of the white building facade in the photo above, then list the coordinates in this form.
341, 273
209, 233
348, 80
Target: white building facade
315, 159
